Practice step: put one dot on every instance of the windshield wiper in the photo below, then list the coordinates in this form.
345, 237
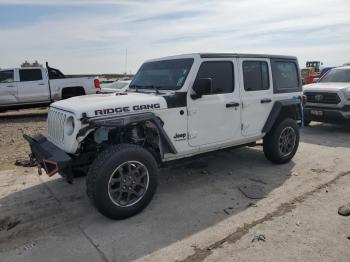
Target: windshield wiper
146, 86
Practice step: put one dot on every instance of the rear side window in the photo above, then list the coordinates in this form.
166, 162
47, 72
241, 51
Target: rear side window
30, 75
6, 76
255, 75
285, 76
221, 74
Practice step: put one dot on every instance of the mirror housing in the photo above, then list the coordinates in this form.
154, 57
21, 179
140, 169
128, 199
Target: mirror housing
201, 86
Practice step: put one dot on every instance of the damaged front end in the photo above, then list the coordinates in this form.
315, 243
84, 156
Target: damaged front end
49, 157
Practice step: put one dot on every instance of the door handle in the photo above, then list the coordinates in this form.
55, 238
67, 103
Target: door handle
265, 100
232, 104
10, 86
41, 84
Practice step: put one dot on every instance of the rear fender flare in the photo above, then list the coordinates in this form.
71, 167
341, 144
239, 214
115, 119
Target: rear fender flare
293, 104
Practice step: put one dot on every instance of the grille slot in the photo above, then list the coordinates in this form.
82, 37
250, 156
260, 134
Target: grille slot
55, 123
322, 98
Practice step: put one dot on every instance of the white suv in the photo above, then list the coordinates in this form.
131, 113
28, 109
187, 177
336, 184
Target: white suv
176, 107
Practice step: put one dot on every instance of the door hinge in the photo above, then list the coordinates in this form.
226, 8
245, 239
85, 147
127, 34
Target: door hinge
191, 111
192, 134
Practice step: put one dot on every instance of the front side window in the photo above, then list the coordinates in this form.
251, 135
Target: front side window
286, 76
336, 75
30, 75
255, 75
163, 75
221, 75
6, 76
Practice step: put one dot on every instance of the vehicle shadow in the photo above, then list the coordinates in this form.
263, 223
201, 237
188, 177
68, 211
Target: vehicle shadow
191, 197
326, 135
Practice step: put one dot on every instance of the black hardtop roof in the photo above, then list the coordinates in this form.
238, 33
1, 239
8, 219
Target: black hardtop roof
230, 55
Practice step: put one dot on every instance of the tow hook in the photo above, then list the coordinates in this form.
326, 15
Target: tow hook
33, 161
39, 169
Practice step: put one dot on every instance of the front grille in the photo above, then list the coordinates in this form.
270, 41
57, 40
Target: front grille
322, 98
55, 123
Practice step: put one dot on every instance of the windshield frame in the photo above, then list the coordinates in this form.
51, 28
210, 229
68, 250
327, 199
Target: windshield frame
134, 85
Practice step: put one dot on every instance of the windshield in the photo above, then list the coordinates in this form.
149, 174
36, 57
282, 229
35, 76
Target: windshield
336, 75
166, 74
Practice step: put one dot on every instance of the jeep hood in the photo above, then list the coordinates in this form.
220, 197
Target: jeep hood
111, 104
326, 87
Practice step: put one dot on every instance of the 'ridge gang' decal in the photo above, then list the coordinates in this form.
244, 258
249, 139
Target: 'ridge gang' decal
124, 109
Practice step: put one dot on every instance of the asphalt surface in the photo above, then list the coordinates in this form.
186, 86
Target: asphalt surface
203, 210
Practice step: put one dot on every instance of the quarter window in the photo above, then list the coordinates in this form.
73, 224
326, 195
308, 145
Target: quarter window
221, 75
30, 75
255, 75
286, 76
6, 76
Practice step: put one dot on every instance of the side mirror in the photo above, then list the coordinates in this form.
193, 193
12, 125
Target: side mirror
315, 80
201, 87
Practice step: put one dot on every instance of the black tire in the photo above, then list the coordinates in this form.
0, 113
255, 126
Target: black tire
272, 145
111, 165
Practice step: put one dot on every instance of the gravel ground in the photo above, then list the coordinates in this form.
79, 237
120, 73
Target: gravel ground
198, 214
12, 125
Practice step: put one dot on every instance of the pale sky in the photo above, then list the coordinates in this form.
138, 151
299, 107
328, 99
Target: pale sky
82, 36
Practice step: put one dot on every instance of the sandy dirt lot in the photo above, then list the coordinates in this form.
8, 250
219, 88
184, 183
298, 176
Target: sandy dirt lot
200, 212
12, 125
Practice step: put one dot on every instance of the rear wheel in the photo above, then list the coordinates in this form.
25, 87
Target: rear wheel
122, 180
281, 143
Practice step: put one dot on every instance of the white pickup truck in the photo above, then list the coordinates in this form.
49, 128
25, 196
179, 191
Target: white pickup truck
30, 87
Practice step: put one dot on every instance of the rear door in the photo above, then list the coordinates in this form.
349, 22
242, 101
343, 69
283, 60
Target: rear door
215, 117
8, 87
256, 94
33, 86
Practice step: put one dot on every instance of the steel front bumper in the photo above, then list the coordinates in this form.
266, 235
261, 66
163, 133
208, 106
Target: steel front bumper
328, 115
48, 156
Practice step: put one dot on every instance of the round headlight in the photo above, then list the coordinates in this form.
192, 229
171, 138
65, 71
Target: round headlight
69, 126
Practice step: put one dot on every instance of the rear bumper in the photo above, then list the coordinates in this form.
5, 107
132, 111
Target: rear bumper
328, 115
49, 156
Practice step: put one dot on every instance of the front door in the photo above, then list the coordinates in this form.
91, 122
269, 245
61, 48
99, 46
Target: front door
8, 88
32, 86
215, 117
256, 94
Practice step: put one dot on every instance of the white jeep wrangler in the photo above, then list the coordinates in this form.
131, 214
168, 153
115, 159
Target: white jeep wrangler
176, 107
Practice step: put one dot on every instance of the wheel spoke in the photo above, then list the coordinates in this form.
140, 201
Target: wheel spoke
287, 141
129, 183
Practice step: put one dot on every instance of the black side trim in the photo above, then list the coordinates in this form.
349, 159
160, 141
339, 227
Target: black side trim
277, 108
179, 99
345, 108
166, 146
236, 55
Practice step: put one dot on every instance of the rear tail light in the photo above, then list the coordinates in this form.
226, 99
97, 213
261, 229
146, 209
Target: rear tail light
97, 83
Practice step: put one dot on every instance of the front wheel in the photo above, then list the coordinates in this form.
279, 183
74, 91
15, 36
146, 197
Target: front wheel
281, 143
122, 180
